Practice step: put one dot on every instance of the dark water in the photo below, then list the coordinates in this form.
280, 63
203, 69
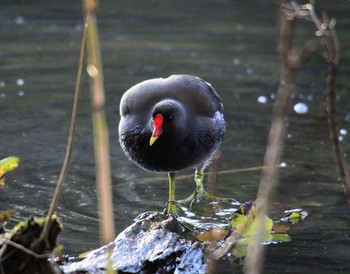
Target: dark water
229, 44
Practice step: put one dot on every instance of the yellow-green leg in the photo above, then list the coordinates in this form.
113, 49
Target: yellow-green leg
200, 191
171, 201
198, 177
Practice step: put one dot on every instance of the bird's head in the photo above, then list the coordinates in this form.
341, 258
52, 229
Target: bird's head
169, 119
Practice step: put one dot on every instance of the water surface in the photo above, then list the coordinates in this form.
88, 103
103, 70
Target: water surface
229, 44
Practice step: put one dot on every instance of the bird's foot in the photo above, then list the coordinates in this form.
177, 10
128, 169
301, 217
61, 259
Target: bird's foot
195, 197
201, 195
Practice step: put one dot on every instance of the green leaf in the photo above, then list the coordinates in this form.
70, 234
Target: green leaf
6, 165
294, 216
278, 237
243, 221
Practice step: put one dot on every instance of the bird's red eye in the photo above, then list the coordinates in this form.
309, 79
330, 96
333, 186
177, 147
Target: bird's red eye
158, 120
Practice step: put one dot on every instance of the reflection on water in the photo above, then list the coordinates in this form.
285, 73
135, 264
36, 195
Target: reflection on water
230, 45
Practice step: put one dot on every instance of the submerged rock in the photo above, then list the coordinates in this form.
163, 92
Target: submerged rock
150, 245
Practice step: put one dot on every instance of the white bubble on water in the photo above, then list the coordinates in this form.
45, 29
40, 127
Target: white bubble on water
20, 82
301, 108
343, 131
20, 93
283, 164
262, 99
249, 71
19, 20
236, 61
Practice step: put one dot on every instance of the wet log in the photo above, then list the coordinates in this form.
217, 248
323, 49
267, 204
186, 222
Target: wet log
151, 245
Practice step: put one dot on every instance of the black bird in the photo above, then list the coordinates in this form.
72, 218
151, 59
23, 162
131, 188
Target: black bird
171, 124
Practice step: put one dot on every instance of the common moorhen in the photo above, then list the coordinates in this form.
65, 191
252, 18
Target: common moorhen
171, 124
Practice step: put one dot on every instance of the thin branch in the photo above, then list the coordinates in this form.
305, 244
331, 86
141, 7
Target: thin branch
291, 60
25, 250
269, 178
290, 64
333, 59
326, 30
69, 147
231, 240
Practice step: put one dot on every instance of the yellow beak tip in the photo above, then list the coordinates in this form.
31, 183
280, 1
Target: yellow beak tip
152, 140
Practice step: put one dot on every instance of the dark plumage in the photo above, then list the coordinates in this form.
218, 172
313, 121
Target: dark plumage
182, 114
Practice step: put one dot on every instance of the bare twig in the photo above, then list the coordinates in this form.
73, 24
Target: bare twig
231, 240
333, 58
24, 249
291, 60
329, 39
69, 147
325, 29
269, 178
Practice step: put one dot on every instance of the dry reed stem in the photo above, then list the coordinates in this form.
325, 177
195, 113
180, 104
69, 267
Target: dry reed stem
101, 136
291, 60
290, 63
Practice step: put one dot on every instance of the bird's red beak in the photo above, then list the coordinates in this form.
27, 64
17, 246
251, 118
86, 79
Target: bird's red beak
157, 128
